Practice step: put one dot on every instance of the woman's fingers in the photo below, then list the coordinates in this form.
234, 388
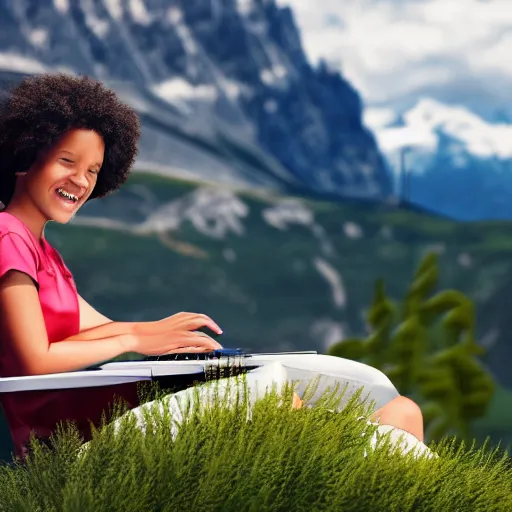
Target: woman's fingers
182, 341
195, 339
209, 341
190, 349
190, 321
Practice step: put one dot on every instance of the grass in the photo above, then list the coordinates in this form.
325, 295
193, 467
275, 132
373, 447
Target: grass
266, 458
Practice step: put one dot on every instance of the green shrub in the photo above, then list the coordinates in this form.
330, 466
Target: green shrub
426, 346
265, 458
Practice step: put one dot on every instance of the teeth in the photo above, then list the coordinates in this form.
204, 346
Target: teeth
67, 195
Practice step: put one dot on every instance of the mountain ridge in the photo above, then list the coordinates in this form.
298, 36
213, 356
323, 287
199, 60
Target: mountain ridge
224, 89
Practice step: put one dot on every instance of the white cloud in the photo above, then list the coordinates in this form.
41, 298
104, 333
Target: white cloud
389, 48
422, 123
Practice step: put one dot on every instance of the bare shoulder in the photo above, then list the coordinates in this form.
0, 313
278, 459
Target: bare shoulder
21, 320
18, 290
14, 278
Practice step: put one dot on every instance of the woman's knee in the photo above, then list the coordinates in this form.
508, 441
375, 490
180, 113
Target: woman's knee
403, 413
405, 407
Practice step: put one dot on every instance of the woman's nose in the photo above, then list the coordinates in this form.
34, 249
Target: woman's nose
79, 179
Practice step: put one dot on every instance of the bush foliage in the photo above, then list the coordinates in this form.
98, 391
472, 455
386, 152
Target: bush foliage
269, 457
427, 347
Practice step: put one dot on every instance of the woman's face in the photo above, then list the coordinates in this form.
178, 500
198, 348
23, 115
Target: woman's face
65, 175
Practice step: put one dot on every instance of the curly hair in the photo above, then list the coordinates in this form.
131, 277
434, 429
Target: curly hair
42, 108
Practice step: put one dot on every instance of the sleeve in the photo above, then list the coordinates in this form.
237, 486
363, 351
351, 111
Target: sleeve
16, 254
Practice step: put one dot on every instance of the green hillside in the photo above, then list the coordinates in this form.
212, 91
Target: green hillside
275, 284
272, 288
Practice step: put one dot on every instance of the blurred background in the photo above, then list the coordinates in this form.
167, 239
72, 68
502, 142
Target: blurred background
293, 153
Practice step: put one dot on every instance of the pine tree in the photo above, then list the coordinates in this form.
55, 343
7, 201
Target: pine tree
427, 347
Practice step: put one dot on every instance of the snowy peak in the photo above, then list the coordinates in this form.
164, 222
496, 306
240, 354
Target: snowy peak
423, 124
457, 163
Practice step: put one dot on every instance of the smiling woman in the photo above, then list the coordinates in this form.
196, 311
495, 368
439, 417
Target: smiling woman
68, 170
63, 141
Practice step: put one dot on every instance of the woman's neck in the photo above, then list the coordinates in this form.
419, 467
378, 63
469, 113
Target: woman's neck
31, 217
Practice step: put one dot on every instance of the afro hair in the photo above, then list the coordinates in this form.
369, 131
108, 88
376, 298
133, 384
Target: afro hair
42, 108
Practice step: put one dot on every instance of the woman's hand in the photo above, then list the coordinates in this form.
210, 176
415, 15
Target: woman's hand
172, 335
175, 334
170, 343
186, 322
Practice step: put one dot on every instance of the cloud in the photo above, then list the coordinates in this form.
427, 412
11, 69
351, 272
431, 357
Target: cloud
392, 48
421, 124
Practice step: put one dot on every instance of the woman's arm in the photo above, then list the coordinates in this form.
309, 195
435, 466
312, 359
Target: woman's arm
89, 317
22, 323
94, 325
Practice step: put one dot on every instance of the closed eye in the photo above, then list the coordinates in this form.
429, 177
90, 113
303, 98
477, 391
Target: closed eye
67, 160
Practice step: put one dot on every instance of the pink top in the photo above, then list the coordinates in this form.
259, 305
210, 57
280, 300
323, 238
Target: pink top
41, 411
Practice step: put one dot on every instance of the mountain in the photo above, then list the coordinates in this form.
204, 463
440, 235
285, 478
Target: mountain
279, 272
438, 83
223, 88
459, 164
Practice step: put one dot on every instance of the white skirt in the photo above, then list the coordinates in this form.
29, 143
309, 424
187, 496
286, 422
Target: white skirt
325, 372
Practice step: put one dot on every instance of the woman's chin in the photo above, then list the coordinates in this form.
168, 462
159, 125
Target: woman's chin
62, 210
62, 217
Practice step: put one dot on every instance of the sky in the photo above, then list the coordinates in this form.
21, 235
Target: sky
397, 51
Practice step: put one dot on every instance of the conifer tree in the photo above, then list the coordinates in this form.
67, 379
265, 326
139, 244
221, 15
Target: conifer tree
427, 347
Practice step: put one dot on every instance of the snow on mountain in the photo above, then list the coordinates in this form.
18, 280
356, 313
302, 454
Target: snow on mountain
213, 212
21, 64
420, 128
458, 163
435, 76
224, 89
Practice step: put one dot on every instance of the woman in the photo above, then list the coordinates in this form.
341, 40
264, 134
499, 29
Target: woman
63, 141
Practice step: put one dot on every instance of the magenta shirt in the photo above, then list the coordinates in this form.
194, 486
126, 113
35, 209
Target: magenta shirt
40, 411
20, 250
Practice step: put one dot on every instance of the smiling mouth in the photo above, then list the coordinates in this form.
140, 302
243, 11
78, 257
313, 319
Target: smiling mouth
67, 195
